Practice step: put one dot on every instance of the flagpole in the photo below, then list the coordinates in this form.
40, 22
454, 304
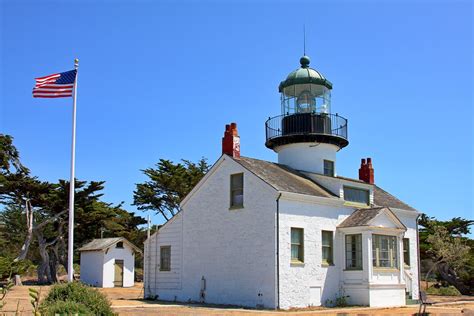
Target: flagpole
70, 246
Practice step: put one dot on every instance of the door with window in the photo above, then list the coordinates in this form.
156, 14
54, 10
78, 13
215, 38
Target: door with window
118, 276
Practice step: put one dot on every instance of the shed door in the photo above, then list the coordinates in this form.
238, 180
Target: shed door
118, 277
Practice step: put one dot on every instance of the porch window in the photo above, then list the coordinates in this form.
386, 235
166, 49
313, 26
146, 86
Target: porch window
354, 252
406, 251
165, 258
297, 245
327, 245
237, 190
384, 251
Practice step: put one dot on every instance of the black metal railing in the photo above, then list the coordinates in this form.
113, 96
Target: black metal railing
306, 124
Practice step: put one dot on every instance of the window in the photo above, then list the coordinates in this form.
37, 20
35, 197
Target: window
384, 251
356, 195
406, 251
165, 258
354, 252
119, 245
329, 168
327, 243
297, 245
237, 190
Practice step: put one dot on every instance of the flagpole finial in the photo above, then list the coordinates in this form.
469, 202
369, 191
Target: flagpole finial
76, 63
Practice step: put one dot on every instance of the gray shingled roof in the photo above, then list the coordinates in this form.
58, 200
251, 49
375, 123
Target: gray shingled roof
283, 178
104, 243
383, 198
361, 217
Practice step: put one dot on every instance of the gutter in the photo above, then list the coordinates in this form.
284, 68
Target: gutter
419, 258
278, 250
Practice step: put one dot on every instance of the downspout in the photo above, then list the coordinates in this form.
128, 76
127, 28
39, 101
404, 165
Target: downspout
419, 259
278, 250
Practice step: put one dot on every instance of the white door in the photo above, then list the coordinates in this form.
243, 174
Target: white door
315, 296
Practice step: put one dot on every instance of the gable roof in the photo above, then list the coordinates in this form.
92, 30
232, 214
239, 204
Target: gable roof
365, 216
361, 217
283, 178
104, 243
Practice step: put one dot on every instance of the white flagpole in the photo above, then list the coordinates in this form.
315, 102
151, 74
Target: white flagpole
70, 244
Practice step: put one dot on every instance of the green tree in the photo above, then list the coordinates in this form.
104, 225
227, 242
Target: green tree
168, 184
444, 250
35, 214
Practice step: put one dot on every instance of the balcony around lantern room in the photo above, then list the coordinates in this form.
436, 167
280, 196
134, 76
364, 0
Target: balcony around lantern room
306, 127
306, 118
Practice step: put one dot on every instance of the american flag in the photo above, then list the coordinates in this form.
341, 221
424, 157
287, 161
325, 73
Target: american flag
59, 85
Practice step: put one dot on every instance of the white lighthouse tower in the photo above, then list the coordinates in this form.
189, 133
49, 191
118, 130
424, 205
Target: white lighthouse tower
307, 135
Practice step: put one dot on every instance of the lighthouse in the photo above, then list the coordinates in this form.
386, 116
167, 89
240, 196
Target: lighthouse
307, 134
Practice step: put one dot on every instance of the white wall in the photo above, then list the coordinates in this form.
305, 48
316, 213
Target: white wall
307, 156
125, 254
156, 280
409, 220
91, 267
296, 281
233, 249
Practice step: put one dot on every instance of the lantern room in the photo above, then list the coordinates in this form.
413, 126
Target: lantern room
307, 135
305, 90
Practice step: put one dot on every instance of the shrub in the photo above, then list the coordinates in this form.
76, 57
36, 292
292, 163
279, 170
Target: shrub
445, 291
79, 294
9, 267
66, 308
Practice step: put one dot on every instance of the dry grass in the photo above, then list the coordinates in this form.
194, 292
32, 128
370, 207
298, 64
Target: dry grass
128, 301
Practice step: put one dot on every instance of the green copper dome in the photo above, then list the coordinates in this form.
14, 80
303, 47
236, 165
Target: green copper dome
303, 75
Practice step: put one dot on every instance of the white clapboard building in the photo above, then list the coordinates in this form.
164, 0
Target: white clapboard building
288, 234
108, 262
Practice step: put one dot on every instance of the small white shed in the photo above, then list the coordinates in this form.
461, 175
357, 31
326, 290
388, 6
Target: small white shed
108, 262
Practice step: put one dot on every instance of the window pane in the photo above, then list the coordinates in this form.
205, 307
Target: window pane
384, 251
354, 251
297, 244
329, 168
237, 181
295, 236
406, 251
165, 258
237, 189
356, 195
327, 244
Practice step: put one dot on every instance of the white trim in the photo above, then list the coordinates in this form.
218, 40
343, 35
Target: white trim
202, 181
158, 230
291, 196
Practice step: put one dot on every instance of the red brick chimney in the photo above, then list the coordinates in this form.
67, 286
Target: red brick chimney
231, 141
366, 171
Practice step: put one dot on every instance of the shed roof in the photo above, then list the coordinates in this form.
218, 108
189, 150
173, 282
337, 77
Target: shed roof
104, 243
283, 178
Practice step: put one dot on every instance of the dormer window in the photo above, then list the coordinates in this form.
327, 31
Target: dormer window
119, 245
329, 168
356, 195
237, 190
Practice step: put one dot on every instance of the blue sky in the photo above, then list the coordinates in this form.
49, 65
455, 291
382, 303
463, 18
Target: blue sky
161, 79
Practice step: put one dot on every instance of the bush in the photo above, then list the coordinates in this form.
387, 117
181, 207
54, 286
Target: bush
445, 291
10, 267
74, 294
66, 308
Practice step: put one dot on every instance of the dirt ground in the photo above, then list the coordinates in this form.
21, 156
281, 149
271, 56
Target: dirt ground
128, 301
